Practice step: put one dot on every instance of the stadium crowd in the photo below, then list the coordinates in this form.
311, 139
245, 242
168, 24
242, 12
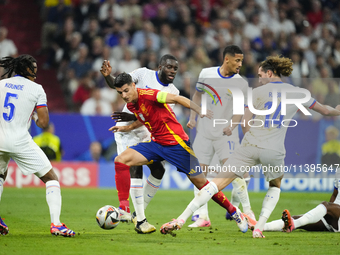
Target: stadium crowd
78, 34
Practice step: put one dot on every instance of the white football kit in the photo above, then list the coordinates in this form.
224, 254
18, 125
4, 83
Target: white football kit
18, 99
264, 144
330, 227
209, 139
143, 78
336, 201
337, 186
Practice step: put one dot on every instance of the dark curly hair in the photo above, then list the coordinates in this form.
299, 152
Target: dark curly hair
278, 65
18, 65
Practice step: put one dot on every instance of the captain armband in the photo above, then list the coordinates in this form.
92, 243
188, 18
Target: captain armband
161, 97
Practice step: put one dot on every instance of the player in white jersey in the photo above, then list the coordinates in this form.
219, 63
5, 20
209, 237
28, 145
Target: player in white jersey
213, 139
19, 97
263, 144
143, 78
324, 217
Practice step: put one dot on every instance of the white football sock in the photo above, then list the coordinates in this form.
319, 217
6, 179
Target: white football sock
275, 225
203, 210
1, 187
234, 197
203, 196
312, 216
247, 180
269, 203
136, 193
150, 189
240, 187
53, 198
337, 199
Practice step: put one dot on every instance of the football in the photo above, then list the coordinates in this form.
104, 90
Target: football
108, 217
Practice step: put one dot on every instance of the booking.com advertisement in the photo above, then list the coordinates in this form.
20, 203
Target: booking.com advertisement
267, 129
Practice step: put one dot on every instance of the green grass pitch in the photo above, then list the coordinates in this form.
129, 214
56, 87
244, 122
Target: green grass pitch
26, 213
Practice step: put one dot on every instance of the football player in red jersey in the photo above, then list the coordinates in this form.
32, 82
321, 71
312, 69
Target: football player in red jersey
169, 142
131, 182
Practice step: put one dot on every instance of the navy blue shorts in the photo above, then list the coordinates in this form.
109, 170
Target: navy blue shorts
179, 155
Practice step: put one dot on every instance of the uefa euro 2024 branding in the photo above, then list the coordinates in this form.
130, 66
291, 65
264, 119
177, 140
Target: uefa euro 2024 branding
274, 114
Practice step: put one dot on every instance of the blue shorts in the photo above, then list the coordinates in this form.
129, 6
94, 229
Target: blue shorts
179, 155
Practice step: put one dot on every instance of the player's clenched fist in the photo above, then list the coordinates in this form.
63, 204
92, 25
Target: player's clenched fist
227, 131
191, 124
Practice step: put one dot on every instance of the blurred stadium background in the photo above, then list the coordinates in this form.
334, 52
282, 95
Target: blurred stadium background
70, 39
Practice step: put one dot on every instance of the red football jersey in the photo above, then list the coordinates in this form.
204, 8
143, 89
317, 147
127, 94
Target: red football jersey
159, 118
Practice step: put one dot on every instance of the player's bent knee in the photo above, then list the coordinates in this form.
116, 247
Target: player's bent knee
123, 159
120, 159
325, 203
49, 176
117, 159
276, 182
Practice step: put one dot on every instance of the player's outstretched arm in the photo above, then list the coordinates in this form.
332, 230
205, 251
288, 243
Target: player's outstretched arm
106, 70
326, 110
128, 128
174, 99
